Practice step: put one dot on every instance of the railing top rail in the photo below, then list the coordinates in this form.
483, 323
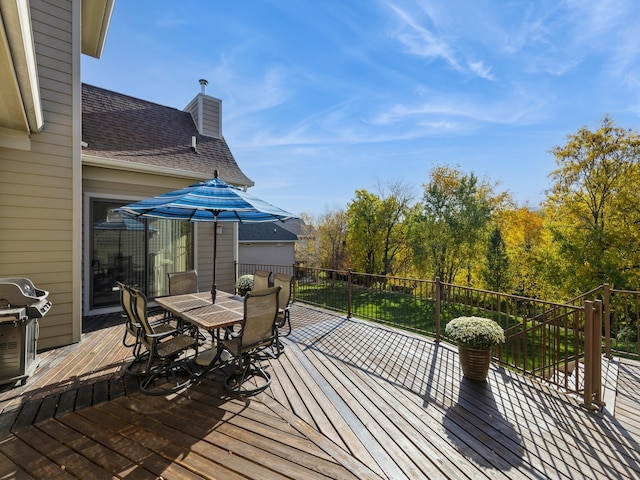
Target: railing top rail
629, 292
582, 297
511, 296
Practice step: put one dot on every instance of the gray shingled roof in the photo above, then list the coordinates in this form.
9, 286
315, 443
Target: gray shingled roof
125, 128
264, 232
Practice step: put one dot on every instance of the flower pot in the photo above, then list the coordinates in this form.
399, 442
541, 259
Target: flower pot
475, 362
242, 292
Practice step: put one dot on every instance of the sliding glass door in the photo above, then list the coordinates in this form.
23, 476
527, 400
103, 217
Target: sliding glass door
137, 252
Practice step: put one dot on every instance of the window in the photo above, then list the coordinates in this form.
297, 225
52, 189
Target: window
138, 252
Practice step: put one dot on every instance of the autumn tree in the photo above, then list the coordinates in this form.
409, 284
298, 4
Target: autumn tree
450, 223
306, 245
332, 240
532, 256
593, 206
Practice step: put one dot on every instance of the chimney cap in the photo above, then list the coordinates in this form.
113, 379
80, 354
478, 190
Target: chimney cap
203, 84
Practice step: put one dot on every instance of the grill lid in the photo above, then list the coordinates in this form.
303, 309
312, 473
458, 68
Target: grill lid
19, 292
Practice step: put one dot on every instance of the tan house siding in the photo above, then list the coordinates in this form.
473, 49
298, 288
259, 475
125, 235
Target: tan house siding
36, 196
225, 256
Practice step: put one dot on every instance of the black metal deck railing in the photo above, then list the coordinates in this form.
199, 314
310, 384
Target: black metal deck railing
543, 339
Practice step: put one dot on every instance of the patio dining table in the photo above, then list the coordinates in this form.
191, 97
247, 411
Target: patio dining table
198, 309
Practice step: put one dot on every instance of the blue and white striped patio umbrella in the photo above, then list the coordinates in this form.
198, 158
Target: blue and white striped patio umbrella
210, 201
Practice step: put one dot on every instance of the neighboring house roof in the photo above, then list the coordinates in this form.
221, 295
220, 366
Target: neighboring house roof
264, 232
124, 128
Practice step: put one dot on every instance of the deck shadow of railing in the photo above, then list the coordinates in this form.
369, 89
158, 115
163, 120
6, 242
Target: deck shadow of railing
405, 360
500, 424
427, 370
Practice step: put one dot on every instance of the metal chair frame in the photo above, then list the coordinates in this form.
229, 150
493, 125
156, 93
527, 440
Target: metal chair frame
133, 328
165, 350
257, 333
286, 282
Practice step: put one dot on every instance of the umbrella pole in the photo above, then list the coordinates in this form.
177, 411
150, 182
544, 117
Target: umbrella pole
215, 248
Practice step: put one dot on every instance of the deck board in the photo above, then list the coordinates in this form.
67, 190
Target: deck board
349, 400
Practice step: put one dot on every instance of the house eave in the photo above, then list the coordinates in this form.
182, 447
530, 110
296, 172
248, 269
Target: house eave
96, 16
124, 165
21, 106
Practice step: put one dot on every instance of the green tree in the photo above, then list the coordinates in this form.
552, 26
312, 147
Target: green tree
365, 238
394, 206
376, 236
496, 272
593, 206
447, 227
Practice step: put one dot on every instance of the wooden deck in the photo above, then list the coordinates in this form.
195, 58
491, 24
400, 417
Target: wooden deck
349, 400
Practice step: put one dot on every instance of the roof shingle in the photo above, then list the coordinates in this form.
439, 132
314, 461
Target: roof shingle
265, 232
125, 128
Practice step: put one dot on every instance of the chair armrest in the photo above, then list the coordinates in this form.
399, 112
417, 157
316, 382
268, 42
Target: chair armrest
230, 333
161, 335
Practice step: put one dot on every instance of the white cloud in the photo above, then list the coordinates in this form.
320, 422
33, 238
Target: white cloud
481, 70
420, 41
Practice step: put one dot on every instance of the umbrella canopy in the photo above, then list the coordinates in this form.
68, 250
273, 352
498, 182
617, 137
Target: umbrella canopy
210, 201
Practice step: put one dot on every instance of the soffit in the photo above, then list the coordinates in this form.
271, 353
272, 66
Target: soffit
17, 69
96, 15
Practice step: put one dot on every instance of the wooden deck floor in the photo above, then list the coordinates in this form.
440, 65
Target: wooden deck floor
349, 400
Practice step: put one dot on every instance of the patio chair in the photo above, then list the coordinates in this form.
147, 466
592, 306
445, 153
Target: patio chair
258, 332
167, 369
285, 282
183, 282
133, 329
261, 279
284, 314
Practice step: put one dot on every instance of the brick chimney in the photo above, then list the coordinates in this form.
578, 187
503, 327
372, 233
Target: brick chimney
206, 112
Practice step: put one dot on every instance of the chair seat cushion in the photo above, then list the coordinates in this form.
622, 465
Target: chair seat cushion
175, 345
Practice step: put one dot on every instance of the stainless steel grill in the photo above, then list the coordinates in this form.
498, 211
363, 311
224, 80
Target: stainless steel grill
21, 305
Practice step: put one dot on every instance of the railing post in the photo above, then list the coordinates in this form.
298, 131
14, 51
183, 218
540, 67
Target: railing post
349, 293
438, 296
235, 273
597, 354
593, 355
588, 356
294, 272
606, 307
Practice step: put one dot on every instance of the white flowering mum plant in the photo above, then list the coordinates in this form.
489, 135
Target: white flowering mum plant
245, 282
475, 332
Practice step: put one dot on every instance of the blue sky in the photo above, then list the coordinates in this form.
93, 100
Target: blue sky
321, 98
